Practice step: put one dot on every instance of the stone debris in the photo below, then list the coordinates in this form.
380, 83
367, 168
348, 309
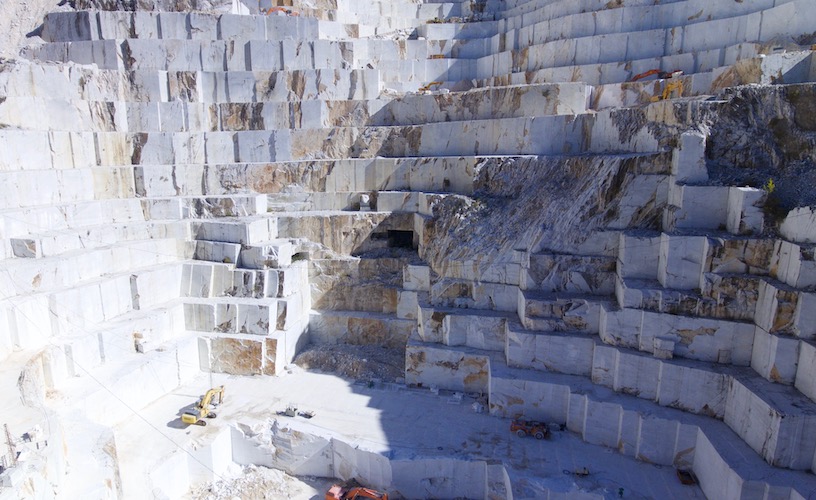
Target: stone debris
261, 483
364, 363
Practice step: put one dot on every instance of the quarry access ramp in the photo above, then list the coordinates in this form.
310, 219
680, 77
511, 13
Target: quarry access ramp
208, 192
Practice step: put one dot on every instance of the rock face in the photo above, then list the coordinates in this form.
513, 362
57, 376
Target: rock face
512, 192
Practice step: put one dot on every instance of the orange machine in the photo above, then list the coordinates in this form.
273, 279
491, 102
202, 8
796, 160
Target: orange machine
524, 428
662, 75
342, 492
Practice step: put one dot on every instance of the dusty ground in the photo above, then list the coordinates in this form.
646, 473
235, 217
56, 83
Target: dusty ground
257, 483
402, 424
357, 362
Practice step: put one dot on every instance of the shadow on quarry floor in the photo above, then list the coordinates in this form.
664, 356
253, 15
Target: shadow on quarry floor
176, 423
405, 425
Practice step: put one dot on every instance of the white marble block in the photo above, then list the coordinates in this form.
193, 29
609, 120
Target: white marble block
745, 215
688, 160
682, 261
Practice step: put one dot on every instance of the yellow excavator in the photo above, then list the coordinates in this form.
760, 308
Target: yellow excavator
202, 408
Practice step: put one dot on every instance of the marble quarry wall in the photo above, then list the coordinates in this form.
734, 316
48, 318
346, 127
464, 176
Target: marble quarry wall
492, 187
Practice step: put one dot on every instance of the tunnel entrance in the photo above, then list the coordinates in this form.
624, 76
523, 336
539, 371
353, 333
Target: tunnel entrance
400, 239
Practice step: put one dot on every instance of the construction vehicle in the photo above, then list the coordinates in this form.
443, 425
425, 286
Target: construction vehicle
661, 75
671, 87
352, 490
524, 428
202, 407
279, 11
426, 88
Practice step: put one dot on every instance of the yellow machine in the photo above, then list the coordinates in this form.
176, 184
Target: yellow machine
672, 86
202, 408
426, 88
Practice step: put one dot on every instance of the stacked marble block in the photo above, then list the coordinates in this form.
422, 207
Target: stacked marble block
461, 323
355, 302
246, 296
95, 287
156, 30
690, 296
211, 42
155, 141
569, 41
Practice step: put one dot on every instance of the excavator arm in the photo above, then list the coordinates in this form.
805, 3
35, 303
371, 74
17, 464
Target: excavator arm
207, 400
662, 75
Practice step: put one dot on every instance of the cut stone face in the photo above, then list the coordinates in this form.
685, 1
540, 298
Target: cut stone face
537, 205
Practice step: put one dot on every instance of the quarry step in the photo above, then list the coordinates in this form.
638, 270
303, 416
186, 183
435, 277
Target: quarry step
553, 22
500, 137
113, 393
468, 369
111, 25
251, 230
474, 328
210, 280
774, 340
259, 55
353, 175
56, 242
365, 297
561, 9
114, 341
310, 24
737, 209
569, 22
171, 90
437, 70
612, 79
638, 428
581, 274
259, 255
559, 311
723, 392
64, 83
359, 328
42, 188
639, 254
242, 315
455, 368
73, 215
244, 109
471, 294
725, 296
700, 338
455, 74
89, 305
290, 206
274, 253
344, 271
68, 269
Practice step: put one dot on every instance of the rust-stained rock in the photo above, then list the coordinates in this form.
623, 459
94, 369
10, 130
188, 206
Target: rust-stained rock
742, 255
366, 331
687, 335
236, 356
270, 355
430, 365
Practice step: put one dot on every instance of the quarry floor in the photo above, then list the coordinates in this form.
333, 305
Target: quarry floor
394, 420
